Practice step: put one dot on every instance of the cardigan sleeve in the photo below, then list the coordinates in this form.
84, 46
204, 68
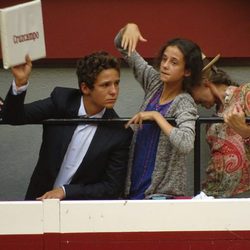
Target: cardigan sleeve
182, 135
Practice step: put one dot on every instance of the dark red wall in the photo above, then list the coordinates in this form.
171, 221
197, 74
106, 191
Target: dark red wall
74, 28
195, 240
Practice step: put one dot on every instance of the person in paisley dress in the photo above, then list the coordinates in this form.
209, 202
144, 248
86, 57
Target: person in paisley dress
228, 172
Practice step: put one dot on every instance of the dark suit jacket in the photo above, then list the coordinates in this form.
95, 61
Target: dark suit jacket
101, 175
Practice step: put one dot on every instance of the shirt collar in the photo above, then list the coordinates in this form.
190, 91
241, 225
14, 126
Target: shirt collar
82, 111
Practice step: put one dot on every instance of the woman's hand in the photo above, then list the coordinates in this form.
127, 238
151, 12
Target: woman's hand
236, 119
161, 121
142, 116
130, 37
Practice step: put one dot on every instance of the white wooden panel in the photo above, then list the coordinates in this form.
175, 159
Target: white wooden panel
51, 212
21, 218
150, 216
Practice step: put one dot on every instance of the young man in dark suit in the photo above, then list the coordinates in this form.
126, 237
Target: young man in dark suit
85, 161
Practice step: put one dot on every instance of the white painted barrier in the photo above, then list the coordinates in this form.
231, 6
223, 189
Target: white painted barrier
53, 216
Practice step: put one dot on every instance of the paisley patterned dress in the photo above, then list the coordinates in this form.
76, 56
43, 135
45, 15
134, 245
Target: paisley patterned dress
228, 172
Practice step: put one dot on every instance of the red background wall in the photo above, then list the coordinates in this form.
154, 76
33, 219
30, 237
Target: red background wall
74, 28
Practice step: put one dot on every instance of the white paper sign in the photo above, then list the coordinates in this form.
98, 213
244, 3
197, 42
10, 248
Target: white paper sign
22, 33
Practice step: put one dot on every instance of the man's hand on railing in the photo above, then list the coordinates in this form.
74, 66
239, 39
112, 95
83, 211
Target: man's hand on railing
57, 193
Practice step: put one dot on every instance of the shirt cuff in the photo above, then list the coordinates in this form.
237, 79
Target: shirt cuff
18, 91
63, 188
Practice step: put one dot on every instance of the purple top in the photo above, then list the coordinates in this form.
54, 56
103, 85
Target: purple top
145, 150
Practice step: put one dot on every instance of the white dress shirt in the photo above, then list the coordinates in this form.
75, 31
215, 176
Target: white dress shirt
77, 149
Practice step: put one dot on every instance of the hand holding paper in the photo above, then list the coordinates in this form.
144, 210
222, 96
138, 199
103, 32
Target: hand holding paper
22, 72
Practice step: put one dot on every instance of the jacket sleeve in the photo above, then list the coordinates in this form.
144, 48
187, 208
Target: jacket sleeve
15, 112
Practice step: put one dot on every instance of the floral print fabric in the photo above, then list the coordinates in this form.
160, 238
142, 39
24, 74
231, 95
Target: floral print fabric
228, 172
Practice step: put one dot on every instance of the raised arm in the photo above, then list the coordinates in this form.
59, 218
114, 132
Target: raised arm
22, 72
131, 35
14, 110
126, 41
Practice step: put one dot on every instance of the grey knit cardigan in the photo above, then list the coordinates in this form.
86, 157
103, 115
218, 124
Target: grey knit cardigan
170, 172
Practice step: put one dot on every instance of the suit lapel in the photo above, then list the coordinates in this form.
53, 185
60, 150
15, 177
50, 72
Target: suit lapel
71, 112
100, 139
